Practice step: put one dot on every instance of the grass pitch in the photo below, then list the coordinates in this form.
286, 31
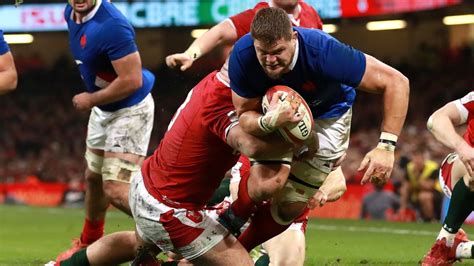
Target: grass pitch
33, 236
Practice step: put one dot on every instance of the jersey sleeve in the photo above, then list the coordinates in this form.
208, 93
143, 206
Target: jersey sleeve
3, 44
465, 106
240, 170
238, 79
341, 62
118, 39
242, 22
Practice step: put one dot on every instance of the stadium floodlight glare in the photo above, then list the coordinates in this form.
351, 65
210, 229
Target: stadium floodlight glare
18, 38
196, 33
459, 19
386, 25
329, 28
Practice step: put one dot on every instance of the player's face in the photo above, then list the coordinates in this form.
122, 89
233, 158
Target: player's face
275, 58
82, 6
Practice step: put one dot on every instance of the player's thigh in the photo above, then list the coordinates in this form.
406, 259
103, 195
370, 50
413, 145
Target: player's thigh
287, 248
128, 130
228, 251
188, 232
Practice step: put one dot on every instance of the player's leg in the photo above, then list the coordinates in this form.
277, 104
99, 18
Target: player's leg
118, 170
128, 133
453, 177
95, 201
193, 234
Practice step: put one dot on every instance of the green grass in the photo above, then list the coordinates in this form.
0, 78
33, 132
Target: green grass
33, 236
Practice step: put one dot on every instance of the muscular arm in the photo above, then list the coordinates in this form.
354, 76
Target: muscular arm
8, 74
223, 32
381, 78
129, 80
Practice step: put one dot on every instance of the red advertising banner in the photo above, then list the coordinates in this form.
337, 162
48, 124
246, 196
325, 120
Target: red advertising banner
357, 8
40, 194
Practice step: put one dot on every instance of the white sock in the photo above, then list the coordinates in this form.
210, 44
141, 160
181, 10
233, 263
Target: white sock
449, 237
463, 250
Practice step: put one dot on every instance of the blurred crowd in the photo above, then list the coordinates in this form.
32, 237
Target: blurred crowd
42, 135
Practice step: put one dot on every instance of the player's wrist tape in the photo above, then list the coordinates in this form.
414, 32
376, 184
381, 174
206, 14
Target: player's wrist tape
388, 141
389, 137
262, 124
194, 52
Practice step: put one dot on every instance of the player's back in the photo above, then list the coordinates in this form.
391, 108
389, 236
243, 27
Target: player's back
193, 156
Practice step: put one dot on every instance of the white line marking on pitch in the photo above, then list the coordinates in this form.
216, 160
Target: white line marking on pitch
373, 230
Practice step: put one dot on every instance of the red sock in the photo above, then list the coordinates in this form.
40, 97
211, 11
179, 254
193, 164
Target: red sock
244, 206
261, 228
92, 231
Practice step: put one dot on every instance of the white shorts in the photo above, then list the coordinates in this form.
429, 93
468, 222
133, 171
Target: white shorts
126, 130
333, 136
190, 233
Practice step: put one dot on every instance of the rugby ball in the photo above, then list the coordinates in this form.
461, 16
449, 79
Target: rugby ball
296, 133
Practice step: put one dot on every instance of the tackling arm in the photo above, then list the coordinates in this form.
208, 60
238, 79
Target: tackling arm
279, 113
8, 74
223, 32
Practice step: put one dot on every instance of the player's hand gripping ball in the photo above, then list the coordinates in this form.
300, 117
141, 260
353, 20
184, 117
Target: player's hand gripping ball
296, 132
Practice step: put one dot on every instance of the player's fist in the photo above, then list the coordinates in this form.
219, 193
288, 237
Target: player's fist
378, 165
184, 61
82, 102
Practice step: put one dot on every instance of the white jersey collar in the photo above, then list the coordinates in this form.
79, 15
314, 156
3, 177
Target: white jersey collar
90, 15
295, 56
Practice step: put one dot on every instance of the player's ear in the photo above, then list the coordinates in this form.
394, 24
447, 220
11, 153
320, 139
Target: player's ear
294, 35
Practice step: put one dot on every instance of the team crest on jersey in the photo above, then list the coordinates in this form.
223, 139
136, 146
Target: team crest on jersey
83, 41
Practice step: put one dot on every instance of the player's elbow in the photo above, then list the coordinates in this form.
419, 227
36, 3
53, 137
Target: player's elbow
137, 82
11, 82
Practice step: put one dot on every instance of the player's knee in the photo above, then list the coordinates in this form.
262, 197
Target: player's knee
116, 169
94, 167
115, 191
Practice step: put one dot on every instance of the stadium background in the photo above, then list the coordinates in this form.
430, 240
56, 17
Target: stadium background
42, 137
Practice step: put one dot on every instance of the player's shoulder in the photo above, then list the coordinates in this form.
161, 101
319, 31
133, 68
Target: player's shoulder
243, 44
67, 12
314, 38
111, 14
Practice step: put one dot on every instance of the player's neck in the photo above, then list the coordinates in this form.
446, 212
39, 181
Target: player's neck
79, 17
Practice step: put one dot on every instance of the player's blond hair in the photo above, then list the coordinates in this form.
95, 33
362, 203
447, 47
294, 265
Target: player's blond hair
270, 25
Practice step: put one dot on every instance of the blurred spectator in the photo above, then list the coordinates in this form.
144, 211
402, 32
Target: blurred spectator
421, 189
379, 204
